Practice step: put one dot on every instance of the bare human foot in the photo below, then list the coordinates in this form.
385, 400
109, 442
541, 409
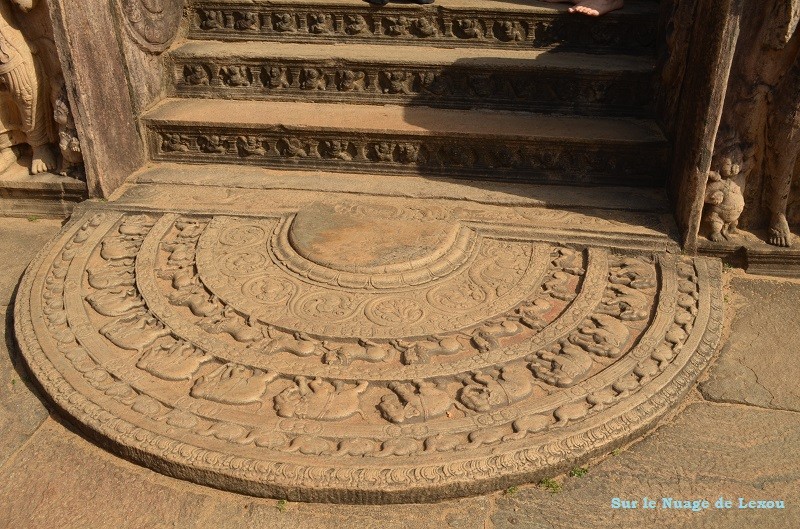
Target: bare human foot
779, 234
593, 8
43, 160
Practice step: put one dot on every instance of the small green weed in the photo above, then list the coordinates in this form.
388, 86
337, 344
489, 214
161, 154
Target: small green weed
578, 472
281, 505
550, 485
33, 218
510, 491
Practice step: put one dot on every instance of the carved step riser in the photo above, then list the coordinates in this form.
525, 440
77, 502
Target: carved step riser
619, 93
629, 34
485, 158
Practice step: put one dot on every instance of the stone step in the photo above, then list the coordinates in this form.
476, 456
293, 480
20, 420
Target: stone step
387, 139
515, 79
472, 23
45, 195
633, 218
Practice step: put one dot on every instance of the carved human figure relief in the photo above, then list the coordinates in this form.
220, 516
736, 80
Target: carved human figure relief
34, 105
25, 105
152, 24
783, 145
763, 107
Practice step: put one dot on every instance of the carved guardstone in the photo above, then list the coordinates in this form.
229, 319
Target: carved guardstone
34, 108
359, 350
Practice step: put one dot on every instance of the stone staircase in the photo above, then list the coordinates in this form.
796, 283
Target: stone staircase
500, 91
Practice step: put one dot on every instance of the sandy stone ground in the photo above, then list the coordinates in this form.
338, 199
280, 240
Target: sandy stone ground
736, 436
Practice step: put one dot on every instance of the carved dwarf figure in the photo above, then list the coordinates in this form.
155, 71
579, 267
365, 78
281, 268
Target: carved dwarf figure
724, 199
25, 110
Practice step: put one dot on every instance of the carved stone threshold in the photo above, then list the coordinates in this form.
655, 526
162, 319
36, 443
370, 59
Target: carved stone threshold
201, 345
463, 23
409, 140
456, 78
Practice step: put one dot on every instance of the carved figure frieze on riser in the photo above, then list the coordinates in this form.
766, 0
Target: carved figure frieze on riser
214, 348
435, 25
554, 90
539, 160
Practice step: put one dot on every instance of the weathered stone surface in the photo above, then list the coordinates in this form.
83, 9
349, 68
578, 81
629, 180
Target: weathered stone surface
235, 512
60, 480
20, 240
21, 411
43, 195
277, 354
104, 110
696, 457
759, 364
622, 217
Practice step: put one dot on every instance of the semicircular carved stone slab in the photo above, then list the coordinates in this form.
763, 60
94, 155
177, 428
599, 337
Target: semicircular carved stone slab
283, 355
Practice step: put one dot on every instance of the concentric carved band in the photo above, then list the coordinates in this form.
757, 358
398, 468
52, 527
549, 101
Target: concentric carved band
594, 356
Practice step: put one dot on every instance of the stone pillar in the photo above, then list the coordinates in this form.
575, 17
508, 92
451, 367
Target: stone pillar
112, 76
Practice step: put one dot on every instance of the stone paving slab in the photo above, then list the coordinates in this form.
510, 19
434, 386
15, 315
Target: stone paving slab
698, 456
21, 411
760, 363
20, 239
59, 479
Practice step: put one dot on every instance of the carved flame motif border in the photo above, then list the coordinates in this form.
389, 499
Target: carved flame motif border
125, 337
